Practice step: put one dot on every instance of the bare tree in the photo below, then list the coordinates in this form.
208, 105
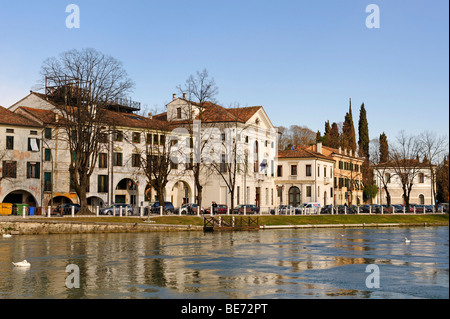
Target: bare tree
382, 170
404, 157
82, 84
433, 148
232, 161
200, 92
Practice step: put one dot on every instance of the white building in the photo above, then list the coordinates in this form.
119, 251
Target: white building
117, 178
303, 176
20, 159
421, 191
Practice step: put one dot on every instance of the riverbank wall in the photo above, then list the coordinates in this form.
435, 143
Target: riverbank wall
30, 227
51, 227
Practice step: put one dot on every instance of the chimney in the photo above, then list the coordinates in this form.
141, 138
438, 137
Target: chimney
174, 97
340, 150
150, 115
351, 152
319, 147
345, 151
56, 118
185, 96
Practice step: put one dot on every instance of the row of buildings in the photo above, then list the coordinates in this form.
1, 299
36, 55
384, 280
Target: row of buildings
35, 159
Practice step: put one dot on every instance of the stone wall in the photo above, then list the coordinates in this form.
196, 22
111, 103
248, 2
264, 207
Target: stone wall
51, 227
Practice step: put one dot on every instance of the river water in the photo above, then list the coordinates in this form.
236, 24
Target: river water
302, 263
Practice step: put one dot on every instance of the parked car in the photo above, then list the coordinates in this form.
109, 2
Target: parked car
249, 209
66, 209
443, 207
327, 209
188, 209
282, 209
115, 210
154, 208
310, 208
221, 209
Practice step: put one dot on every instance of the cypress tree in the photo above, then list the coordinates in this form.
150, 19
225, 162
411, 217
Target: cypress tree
333, 139
363, 132
348, 131
384, 148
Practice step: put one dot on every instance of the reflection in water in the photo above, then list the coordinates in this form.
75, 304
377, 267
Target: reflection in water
325, 263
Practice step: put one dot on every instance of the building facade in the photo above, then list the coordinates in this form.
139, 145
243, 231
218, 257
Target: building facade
303, 176
20, 159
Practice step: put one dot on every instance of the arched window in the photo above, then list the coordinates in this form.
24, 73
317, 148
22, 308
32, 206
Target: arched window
421, 199
294, 196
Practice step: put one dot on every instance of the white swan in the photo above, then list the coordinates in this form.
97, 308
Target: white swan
7, 235
407, 241
23, 263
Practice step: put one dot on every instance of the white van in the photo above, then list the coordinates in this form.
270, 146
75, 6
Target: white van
311, 208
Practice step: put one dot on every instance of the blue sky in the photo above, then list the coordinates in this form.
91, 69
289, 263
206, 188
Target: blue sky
301, 60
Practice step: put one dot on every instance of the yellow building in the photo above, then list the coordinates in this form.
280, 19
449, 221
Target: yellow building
347, 175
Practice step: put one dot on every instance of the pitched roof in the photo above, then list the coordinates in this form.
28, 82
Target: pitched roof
9, 118
302, 152
133, 120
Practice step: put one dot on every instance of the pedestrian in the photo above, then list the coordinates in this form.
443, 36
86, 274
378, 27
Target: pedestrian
214, 207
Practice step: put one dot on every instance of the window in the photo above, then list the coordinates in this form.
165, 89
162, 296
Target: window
293, 170
318, 171
279, 171
47, 155
33, 132
48, 133
308, 191
421, 178
155, 139
308, 170
33, 144
341, 165
47, 181
387, 177
135, 160
118, 159
33, 170
9, 130
103, 160
102, 183
10, 142
421, 199
223, 164
178, 112
9, 169
103, 138
118, 136
136, 137
331, 191
149, 138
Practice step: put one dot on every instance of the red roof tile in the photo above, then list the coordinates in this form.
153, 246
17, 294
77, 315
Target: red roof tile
9, 118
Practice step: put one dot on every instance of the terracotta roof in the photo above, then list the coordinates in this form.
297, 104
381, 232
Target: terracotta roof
133, 120
9, 118
45, 116
302, 152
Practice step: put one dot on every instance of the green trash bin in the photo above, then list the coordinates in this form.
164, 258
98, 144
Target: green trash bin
21, 208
